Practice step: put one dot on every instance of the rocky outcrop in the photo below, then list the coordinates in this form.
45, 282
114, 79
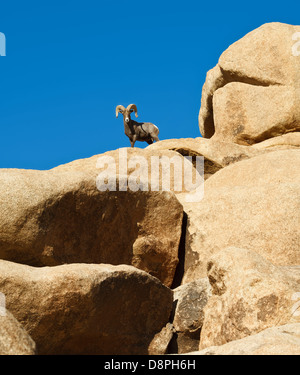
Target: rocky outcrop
253, 204
248, 114
14, 340
133, 163
113, 254
161, 341
55, 217
253, 92
250, 294
216, 154
188, 306
282, 340
86, 308
285, 141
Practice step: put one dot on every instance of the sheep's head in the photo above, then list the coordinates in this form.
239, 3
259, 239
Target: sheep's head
126, 111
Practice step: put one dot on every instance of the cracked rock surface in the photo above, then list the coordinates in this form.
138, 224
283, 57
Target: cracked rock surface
252, 94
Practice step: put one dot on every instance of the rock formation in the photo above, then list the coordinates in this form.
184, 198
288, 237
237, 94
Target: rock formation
14, 340
252, 94
281, 340
249, 294
61, 217
138, 268
253, 204
86, 308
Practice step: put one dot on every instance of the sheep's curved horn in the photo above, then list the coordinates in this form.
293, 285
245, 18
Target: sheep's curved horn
134, 108
118, 108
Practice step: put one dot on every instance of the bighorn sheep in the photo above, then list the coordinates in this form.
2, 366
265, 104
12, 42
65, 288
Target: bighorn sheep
137, 131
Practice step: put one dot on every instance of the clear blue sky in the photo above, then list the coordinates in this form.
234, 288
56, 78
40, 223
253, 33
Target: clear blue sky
69, 63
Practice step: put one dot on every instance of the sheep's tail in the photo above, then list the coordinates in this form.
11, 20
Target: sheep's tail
156, 132
156, 129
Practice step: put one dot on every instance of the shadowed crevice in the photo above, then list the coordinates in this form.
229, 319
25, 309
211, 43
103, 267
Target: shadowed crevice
231, 76
181, 255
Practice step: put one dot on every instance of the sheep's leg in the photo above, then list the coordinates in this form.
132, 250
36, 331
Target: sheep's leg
133, 140
149, 142
155, 137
